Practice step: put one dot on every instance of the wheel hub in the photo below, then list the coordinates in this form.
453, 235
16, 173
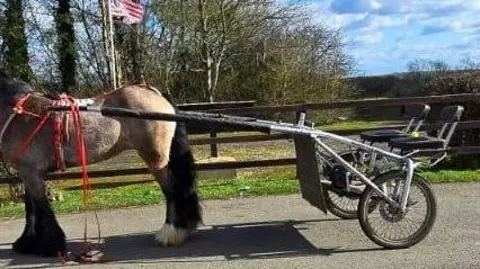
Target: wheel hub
390, 213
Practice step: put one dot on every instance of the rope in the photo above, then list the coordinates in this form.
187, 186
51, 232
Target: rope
83, 257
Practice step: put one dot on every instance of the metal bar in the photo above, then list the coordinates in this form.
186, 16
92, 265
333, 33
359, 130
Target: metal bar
408, 181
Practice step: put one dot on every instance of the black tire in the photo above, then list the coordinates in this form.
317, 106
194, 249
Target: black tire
419, 234
338, 208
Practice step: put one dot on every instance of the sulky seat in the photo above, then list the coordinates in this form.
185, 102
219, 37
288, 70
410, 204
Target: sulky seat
413, 143
417, 114
449, 116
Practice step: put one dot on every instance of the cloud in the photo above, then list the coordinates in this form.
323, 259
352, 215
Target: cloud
435, 29
373, 22
349, 7
381, 7
366, 39
444, 11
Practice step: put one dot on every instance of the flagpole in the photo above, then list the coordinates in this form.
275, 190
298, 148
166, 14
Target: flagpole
106, 43
110, 44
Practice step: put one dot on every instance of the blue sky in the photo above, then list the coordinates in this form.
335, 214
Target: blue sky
384, 35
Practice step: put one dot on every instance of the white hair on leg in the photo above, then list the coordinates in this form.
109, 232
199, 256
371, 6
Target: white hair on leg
171, 236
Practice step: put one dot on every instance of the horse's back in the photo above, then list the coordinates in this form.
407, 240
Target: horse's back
139, 97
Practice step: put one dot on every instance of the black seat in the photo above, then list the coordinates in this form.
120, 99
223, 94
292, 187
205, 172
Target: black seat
449, 115
413, 143
416, 112
381, 136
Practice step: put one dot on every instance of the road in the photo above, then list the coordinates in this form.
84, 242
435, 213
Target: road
269, 232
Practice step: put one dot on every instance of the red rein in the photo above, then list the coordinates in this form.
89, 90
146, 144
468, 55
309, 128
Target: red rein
58, 140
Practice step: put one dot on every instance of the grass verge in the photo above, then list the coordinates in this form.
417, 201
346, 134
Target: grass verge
143, 192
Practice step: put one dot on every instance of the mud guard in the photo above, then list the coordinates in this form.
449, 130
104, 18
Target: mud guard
309, 171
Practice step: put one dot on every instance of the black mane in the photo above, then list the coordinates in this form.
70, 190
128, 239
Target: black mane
10, 88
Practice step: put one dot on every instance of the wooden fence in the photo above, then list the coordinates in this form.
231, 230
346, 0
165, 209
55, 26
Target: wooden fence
248, 108
367, 102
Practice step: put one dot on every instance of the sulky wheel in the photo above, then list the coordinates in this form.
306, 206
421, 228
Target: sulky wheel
344, 206
388, 226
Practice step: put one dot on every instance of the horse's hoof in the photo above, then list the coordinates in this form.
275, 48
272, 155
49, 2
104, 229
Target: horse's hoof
24, 245
170, 235
50, 245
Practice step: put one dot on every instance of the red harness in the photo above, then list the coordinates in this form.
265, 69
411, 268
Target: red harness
58, 127
60, 134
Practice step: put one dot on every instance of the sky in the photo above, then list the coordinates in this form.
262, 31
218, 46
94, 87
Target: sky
384, 35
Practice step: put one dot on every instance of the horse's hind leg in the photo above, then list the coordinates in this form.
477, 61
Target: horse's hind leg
174, 172
42, 234
158, 165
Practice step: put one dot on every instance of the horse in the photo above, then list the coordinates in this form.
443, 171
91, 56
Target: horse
162, 145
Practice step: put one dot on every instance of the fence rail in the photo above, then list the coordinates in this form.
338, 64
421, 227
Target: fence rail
368, 102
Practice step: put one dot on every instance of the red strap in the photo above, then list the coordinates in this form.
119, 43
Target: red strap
29, 139
58, 129
80, 148
18, 108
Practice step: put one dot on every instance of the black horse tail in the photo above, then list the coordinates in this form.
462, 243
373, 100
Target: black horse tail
183, 191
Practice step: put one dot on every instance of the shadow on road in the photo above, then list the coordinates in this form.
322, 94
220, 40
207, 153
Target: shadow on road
257, 240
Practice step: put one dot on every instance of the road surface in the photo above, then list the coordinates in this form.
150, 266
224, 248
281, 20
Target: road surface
269, 232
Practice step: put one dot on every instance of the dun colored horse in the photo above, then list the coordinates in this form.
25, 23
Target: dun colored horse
162, 145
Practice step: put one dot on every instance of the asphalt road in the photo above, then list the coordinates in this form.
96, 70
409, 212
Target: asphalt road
269, 232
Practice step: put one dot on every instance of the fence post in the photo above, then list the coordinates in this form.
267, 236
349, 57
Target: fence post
213, 144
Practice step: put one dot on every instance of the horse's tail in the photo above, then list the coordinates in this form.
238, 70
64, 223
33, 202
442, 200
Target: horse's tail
183, 175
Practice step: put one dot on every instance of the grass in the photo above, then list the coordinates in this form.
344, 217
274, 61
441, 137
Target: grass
357, 124
452, 176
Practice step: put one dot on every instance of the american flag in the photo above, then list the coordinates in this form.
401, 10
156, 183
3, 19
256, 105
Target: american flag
129, 11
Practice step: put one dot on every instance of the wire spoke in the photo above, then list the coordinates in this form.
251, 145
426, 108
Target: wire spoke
392, 225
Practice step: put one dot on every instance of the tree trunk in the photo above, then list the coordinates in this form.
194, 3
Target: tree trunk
66, 49
206, 54
135, 55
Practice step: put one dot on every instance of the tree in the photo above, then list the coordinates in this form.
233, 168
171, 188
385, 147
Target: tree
66, 49
15, 41
203, 50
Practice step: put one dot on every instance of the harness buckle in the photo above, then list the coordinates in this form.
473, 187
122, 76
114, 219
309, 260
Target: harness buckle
18, 110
